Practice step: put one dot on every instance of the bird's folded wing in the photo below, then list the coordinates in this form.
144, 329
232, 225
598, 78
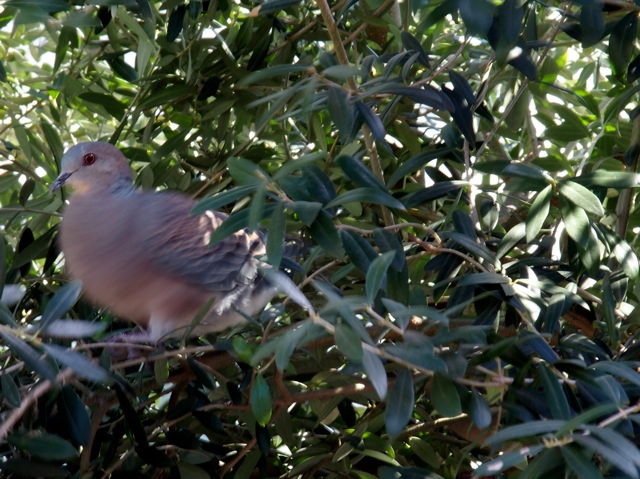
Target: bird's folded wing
177, 243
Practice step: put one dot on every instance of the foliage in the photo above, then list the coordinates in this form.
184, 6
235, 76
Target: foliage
462, 174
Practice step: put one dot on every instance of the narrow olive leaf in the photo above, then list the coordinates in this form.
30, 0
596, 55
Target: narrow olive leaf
409, 42
525, 170
581, 197
580, 462
341, 111
122, 69
48, 447
511, 239
275, 238
472, 247
367, 195
430, 193
427, 96
556, 399
245, 171
400, 404
6, 316
479, 410
261, 404
619, 369
483, 278
31, 357
175, 23
477, 15
610, 453
624, 445
608, 309
10, 390
507, 460
274, 71
73, 328
538, 213
576, 222
60, 303
528, 429
462, 116
201, 374
373, 122
592, 21
416, 162
621, 42
324, 232
374, 368
348, 342
223, 199
461, 85
358, 172
307, 211
388, 241
360, 252
609, 179
78, 363
587, 416
376, 276
74, 415
445, 397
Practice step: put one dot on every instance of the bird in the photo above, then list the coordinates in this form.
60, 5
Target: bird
145, 257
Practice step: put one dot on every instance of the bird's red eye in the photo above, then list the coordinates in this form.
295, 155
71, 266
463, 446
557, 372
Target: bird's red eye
89, 159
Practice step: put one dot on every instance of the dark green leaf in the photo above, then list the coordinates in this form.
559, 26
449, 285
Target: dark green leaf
78, 363
342, 112
581, 197
508, 460
261, 405
538, 213
358, 249
409, 42
579, 462
44, 446
427, 96
10, 390
176, 20
348, 342
430, 193
621, 43
359, 173
556, 399
375, 370
324, 232
479, 410
445, 397
373, 122
609, 179
376, 275
61, 302
483, 278
477, 15
366, 195
307, 211
415, 162
400, 403
224, 198
275, 239
576, 222
592, 21
75, 416
31, 357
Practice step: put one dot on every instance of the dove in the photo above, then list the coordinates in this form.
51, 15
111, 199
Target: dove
146, 258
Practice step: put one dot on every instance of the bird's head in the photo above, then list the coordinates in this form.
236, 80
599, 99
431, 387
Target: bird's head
93, 166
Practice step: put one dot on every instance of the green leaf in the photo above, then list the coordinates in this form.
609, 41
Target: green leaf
609, 179
10, 390
246, 172
525, 170
275, 238
376, 275
31, 357
581, 197
373, 122
556, 399
261, 404
483, 278
479, 410
418, 161
576, 223
538, 213
307, 211
348, 342
342, 112
511, 239
528, 429
223, 198
477, 16
366, 195
74, 414
324, 232
400, 403
359, 173
375, 370
270, 72
433, 192
472, 247
580, 462
48, 447
61, 302
445, 397
78, 363
360, 252
621, 43
236, 222
165, 96
508, 460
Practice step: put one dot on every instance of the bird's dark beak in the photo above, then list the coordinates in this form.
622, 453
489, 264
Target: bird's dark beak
59, 182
